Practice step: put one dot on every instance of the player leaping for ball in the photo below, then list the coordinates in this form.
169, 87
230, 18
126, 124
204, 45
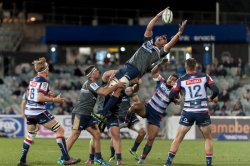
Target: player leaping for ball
148, 53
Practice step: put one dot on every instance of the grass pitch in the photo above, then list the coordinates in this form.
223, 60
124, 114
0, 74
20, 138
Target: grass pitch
45, 152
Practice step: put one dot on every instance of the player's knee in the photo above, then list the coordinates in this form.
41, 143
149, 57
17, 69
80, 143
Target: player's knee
135, 108
142, 132
97, 135
150, 141
116, 136
32, 134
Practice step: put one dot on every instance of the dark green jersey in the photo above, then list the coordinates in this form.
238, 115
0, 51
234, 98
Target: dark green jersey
87, 98
125, 105
146, 55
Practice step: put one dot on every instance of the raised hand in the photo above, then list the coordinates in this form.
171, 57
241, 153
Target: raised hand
164, 61
182, 26
161, 12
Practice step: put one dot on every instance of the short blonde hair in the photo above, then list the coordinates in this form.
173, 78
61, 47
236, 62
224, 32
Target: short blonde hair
40, 65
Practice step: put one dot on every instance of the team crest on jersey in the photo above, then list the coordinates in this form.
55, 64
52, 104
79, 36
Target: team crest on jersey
44, 86
94, 86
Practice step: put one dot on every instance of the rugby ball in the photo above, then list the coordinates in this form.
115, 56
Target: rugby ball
167, 16
113, 82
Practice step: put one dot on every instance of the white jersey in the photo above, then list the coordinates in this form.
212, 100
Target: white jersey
194, 85
160, 100
36, 85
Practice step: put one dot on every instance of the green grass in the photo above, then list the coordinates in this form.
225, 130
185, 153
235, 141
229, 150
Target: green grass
45, 152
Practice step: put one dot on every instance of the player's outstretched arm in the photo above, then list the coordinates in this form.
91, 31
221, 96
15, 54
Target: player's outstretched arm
176, 37
43, 98
155, 71
150, 26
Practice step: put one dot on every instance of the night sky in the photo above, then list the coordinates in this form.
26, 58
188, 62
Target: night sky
187, 5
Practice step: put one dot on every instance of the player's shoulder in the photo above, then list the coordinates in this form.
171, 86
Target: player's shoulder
39, 79
183, 77
200, 74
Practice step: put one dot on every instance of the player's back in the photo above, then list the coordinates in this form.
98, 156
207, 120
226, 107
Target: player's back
194, 85
146, 55
36, 85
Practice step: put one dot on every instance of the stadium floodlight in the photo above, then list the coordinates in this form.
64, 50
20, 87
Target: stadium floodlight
206, 48
122, 49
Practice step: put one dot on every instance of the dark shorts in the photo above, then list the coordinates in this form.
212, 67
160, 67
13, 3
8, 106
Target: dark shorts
201, 119
82, 122
153, 117
129, 71
39, 119
112, 121
132, 120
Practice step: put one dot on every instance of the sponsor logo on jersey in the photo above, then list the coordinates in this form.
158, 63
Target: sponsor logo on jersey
193, 81
33, 83
10, 126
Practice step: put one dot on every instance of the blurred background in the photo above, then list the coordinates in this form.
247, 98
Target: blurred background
74, 34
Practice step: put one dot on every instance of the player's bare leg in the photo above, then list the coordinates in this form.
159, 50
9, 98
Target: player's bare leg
206, 132
114, 132
91, 152
55, 126
181, 132
141, 134
138, 108
152, 131
32, 131
72, 138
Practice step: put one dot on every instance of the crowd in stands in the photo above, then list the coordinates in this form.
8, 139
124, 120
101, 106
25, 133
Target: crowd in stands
68, 80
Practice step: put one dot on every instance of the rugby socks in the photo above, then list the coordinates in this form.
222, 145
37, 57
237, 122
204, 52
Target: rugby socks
62, 144
135, 146
209, 159
112, 151
146, 151
110, 103
26, 145
118, 156
171, 156
128, 116
98, 155
91, 157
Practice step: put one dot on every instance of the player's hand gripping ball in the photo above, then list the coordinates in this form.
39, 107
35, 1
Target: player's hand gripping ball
167, 16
